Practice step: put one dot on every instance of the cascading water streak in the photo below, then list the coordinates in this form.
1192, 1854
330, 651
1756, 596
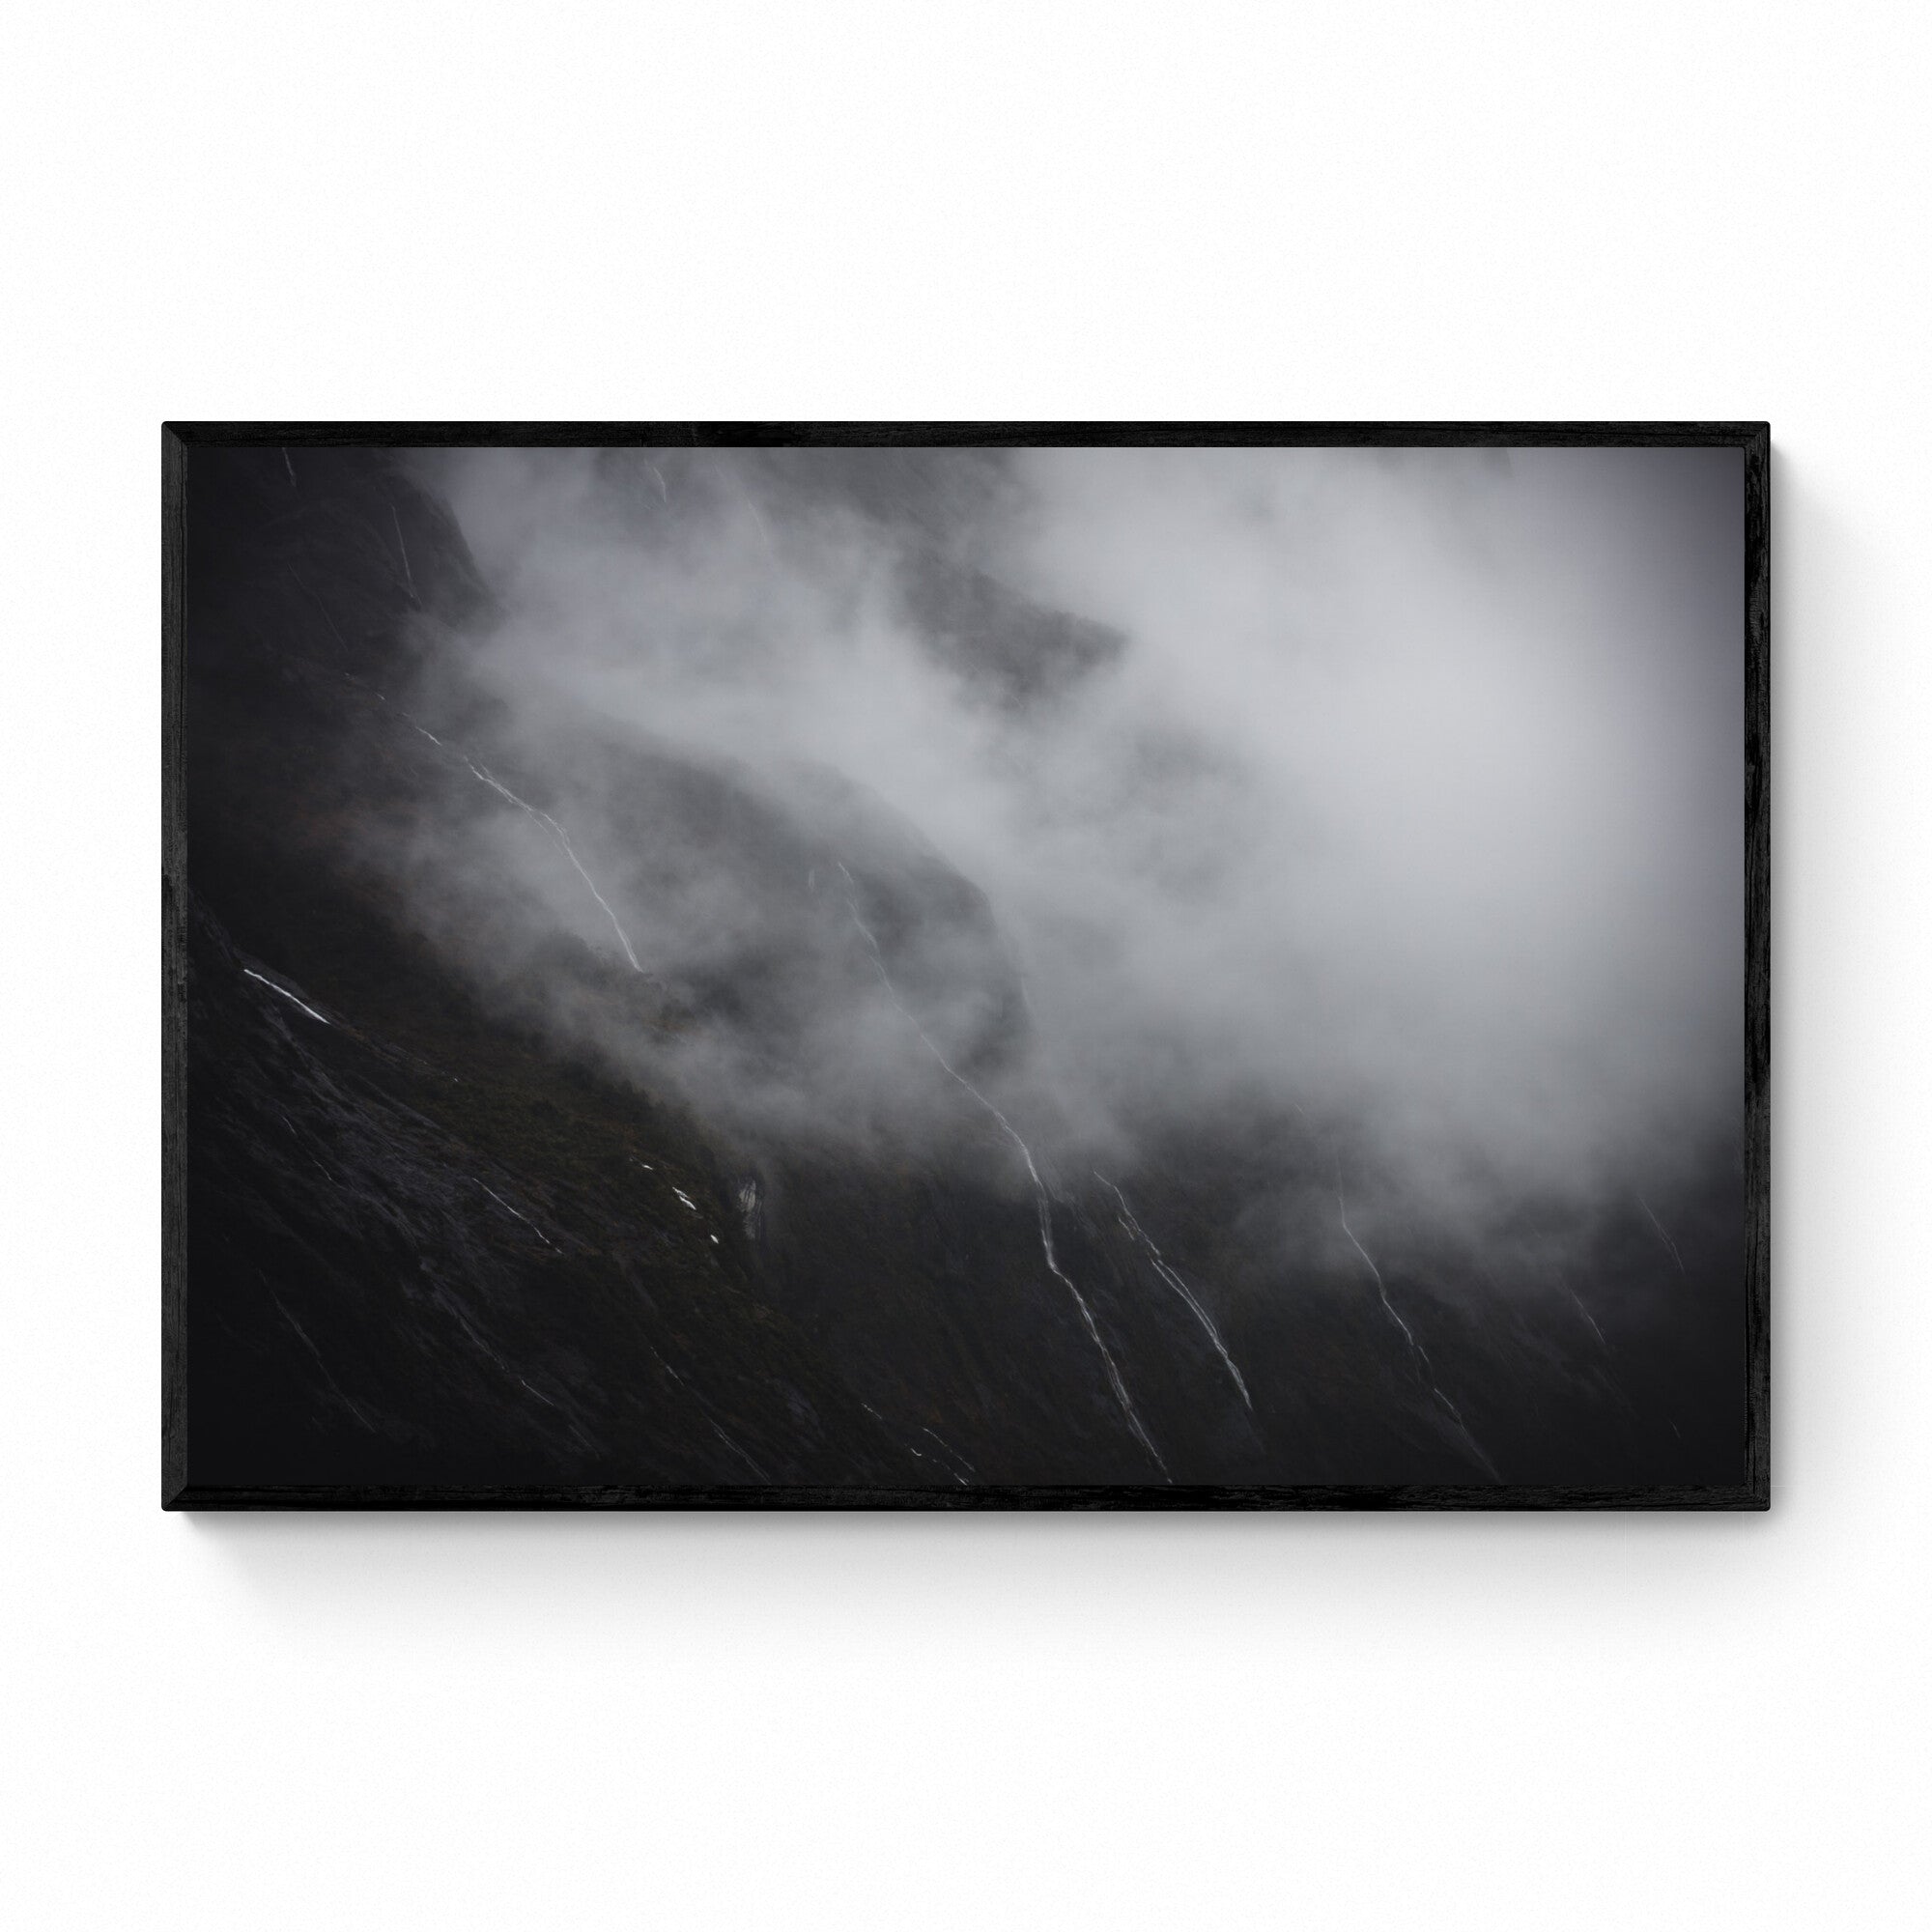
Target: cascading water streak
408, 575
509, 797
503, 791
523, 1218
250, 972
1662, 1235
1424, 1367
1180, 1287
1041, 1201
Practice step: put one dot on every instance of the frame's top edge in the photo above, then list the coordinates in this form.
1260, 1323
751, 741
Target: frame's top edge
562, 435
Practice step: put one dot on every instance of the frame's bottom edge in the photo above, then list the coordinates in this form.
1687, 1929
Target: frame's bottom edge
625, 1497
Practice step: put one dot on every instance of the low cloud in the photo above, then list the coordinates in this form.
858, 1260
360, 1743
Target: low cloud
1401, 792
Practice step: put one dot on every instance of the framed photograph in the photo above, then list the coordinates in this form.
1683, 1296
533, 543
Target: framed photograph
971, 966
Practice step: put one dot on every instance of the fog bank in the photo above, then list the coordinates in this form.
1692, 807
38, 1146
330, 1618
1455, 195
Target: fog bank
1403, 790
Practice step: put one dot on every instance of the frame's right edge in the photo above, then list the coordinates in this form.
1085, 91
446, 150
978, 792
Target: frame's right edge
1757, 962
174, 975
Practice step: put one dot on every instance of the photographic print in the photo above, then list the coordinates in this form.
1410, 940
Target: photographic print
965, 966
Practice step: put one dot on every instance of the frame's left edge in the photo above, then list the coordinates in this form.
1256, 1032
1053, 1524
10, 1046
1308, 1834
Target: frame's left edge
1757, 962
174, 978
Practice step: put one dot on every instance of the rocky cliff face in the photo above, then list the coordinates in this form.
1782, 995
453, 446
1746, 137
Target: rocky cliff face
458, 1211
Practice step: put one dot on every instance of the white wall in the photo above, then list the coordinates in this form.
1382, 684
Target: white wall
1034, 211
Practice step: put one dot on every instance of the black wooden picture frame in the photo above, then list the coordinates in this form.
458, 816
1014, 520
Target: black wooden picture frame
180, 441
